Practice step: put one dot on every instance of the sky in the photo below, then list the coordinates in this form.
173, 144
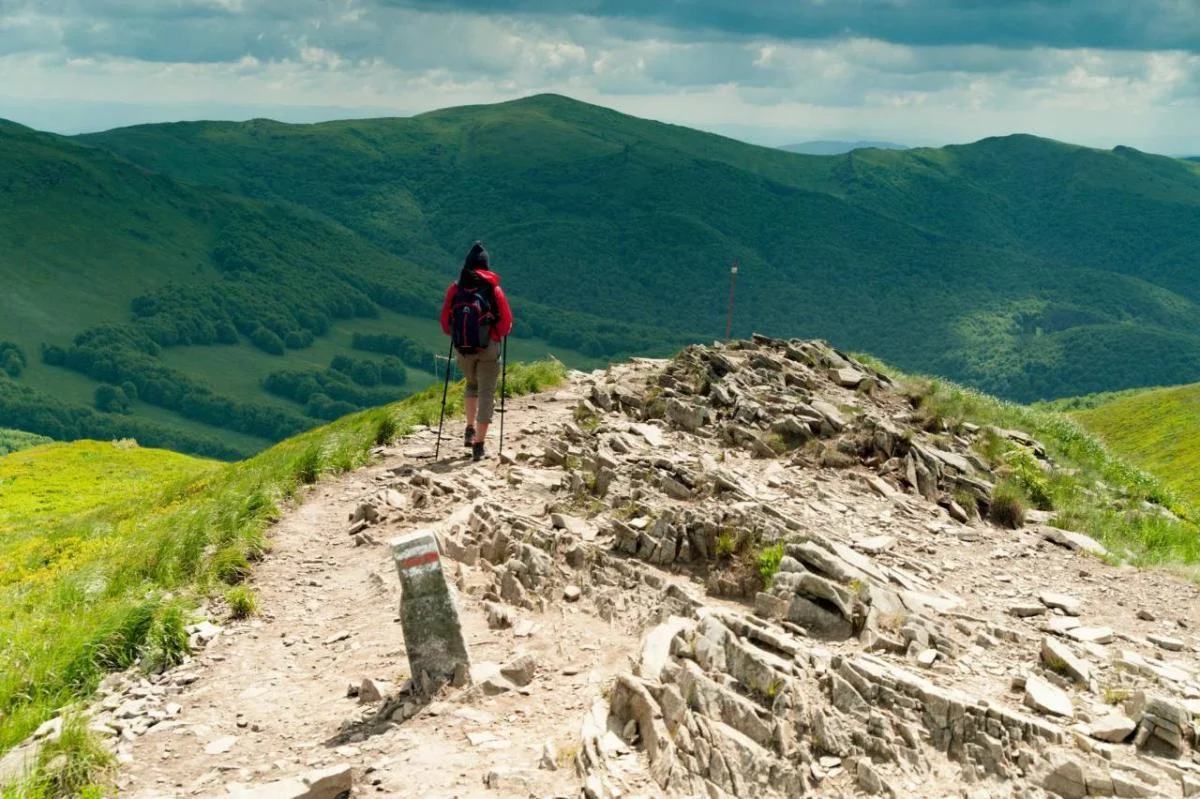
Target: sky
918, 72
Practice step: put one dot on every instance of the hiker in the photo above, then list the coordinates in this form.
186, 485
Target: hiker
476, 316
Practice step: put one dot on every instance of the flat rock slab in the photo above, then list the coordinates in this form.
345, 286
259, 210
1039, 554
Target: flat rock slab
1061, 625
1114, 728
1165, 642
652, 434
1046, 698
1059, 657
573, 525
1091, 635
875, 545
330, 783
221, 745
1071, 540
1067, 604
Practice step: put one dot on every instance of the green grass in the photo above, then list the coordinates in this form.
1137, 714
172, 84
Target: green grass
103, 579
769, 559
40, 487
1095, 490
1158, 430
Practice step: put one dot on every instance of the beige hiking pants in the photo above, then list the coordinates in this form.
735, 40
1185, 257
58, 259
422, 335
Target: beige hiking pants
482, 370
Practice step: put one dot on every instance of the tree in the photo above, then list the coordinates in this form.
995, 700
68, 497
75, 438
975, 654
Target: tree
111, 399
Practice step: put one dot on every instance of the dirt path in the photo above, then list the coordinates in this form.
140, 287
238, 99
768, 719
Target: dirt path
270, 695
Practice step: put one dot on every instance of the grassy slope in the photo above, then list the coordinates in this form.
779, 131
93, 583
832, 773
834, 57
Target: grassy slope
1159, 430
1024, 266
40, 487
86, 573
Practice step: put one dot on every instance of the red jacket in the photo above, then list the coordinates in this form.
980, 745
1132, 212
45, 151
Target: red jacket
503, 325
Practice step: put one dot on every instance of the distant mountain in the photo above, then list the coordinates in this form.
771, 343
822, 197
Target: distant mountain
833, 147
229, 280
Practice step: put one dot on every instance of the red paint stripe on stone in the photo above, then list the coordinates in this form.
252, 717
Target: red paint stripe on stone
419, 560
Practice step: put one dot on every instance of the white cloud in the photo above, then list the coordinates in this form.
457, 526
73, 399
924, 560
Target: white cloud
256, 58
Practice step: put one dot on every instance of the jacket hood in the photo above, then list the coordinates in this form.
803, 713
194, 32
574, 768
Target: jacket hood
491, 278
473, 277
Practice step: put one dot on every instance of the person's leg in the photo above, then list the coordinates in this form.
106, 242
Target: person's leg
468, 365
487, 373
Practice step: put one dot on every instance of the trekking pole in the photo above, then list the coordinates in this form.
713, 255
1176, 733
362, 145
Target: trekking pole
442, 416
503, 386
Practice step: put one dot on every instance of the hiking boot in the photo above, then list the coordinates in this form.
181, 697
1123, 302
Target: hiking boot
469, 437
477, 452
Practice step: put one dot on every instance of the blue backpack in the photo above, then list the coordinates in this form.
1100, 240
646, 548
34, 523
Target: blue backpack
470, 312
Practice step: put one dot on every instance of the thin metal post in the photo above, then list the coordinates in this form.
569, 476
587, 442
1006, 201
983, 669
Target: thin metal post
729, 317
437, 449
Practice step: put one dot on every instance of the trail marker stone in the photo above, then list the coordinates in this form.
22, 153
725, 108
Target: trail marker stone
428, 613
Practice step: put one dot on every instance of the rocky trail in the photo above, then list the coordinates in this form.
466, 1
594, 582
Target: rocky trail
623, 643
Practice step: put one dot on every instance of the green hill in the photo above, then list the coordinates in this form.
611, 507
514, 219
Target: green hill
189, 317
214, 287
1027, 267
1159, 430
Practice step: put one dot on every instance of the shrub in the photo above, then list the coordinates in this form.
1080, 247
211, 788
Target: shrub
1023, 468
267, 341
12, 359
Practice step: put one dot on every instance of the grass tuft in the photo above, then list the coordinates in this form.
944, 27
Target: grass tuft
76, 765
308, 465
386, 429
768, 563
242, 601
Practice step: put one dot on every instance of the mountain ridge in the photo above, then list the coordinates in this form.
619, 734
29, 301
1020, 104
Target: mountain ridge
1023, 266
840, 146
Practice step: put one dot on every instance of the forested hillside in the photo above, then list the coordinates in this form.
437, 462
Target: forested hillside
188, 317
212, 287
1024, 266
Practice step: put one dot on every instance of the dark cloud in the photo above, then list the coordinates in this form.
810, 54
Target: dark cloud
1105, 24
